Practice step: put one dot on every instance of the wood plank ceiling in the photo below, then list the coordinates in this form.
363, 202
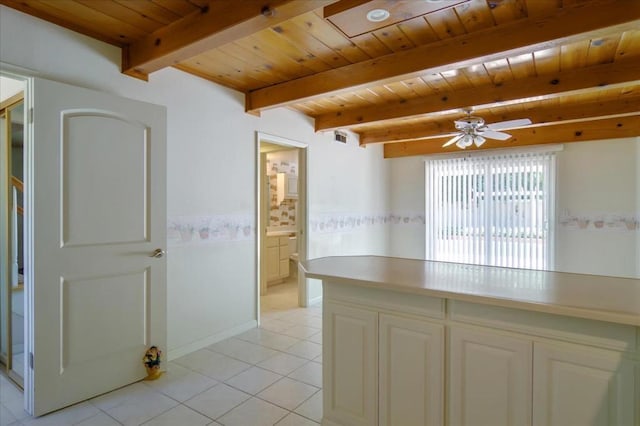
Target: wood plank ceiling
571, 66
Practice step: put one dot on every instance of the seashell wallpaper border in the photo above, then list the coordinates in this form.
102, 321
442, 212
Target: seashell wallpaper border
600, 221
183, 230
347, 222
194, 230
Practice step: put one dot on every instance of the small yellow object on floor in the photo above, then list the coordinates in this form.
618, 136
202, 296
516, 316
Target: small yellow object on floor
151, 361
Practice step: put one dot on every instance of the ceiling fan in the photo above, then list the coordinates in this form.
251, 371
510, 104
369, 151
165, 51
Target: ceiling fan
473, 130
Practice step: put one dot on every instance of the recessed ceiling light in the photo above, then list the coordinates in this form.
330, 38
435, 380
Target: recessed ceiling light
378, 15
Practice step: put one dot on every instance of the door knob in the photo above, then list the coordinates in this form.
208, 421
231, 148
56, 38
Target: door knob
158, 253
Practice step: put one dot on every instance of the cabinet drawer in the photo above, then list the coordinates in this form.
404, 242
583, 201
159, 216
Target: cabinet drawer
407, 303
577, 330
272, 241
284, 241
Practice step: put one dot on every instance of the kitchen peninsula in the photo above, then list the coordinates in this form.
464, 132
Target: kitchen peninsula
411, 342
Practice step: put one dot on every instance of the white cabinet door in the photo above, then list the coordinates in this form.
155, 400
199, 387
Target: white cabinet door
273, 263
292, 186
283, 269
350, 354
575, 385
490, 379
411, 372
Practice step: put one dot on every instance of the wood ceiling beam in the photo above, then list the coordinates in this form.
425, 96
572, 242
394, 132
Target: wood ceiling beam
540, 116
520, 37
549, 86
219, 23
609, 128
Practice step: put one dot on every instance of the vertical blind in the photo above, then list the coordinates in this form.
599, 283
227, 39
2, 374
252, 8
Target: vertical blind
491, 209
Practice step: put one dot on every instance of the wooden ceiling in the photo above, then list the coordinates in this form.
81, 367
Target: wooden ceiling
571, 66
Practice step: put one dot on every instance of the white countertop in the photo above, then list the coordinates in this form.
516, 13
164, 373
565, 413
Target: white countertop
279, 233
579, 295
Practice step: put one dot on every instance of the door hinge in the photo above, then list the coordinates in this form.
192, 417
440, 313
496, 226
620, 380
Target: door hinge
31, 360
30, 114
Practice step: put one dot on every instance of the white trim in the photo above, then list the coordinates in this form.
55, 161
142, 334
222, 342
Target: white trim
29, 237
497, 151
26, 75
279, 140
210, 340
17, 72
315, 300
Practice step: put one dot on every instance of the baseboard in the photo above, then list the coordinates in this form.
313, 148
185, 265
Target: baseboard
326, 422
210, 340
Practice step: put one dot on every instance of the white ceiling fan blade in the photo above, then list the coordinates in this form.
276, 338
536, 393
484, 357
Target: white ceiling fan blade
491, 134
509, 124
452, 140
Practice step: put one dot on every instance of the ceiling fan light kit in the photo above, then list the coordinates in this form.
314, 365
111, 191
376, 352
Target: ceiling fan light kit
473, 130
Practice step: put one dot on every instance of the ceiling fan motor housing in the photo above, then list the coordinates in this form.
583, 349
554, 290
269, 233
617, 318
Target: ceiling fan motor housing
469, 123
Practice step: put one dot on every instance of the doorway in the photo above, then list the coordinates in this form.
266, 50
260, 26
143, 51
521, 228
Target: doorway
282, 223
12, 291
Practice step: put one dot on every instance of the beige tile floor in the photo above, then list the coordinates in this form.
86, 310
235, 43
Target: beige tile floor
267, 376
280, 297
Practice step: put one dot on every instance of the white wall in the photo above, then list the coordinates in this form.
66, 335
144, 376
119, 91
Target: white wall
211, 174
285, 161
596, 180
599, 181
407, 197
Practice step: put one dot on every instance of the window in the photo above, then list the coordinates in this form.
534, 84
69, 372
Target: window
491, 209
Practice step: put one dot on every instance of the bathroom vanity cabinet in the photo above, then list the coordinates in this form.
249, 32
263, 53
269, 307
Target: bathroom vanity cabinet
277, 258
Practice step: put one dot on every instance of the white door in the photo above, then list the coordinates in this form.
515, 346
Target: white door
575, 385
411, 366
490, 379
99, 211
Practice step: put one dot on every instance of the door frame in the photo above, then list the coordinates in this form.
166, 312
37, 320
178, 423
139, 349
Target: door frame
18, 73
302, 222
7, 231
